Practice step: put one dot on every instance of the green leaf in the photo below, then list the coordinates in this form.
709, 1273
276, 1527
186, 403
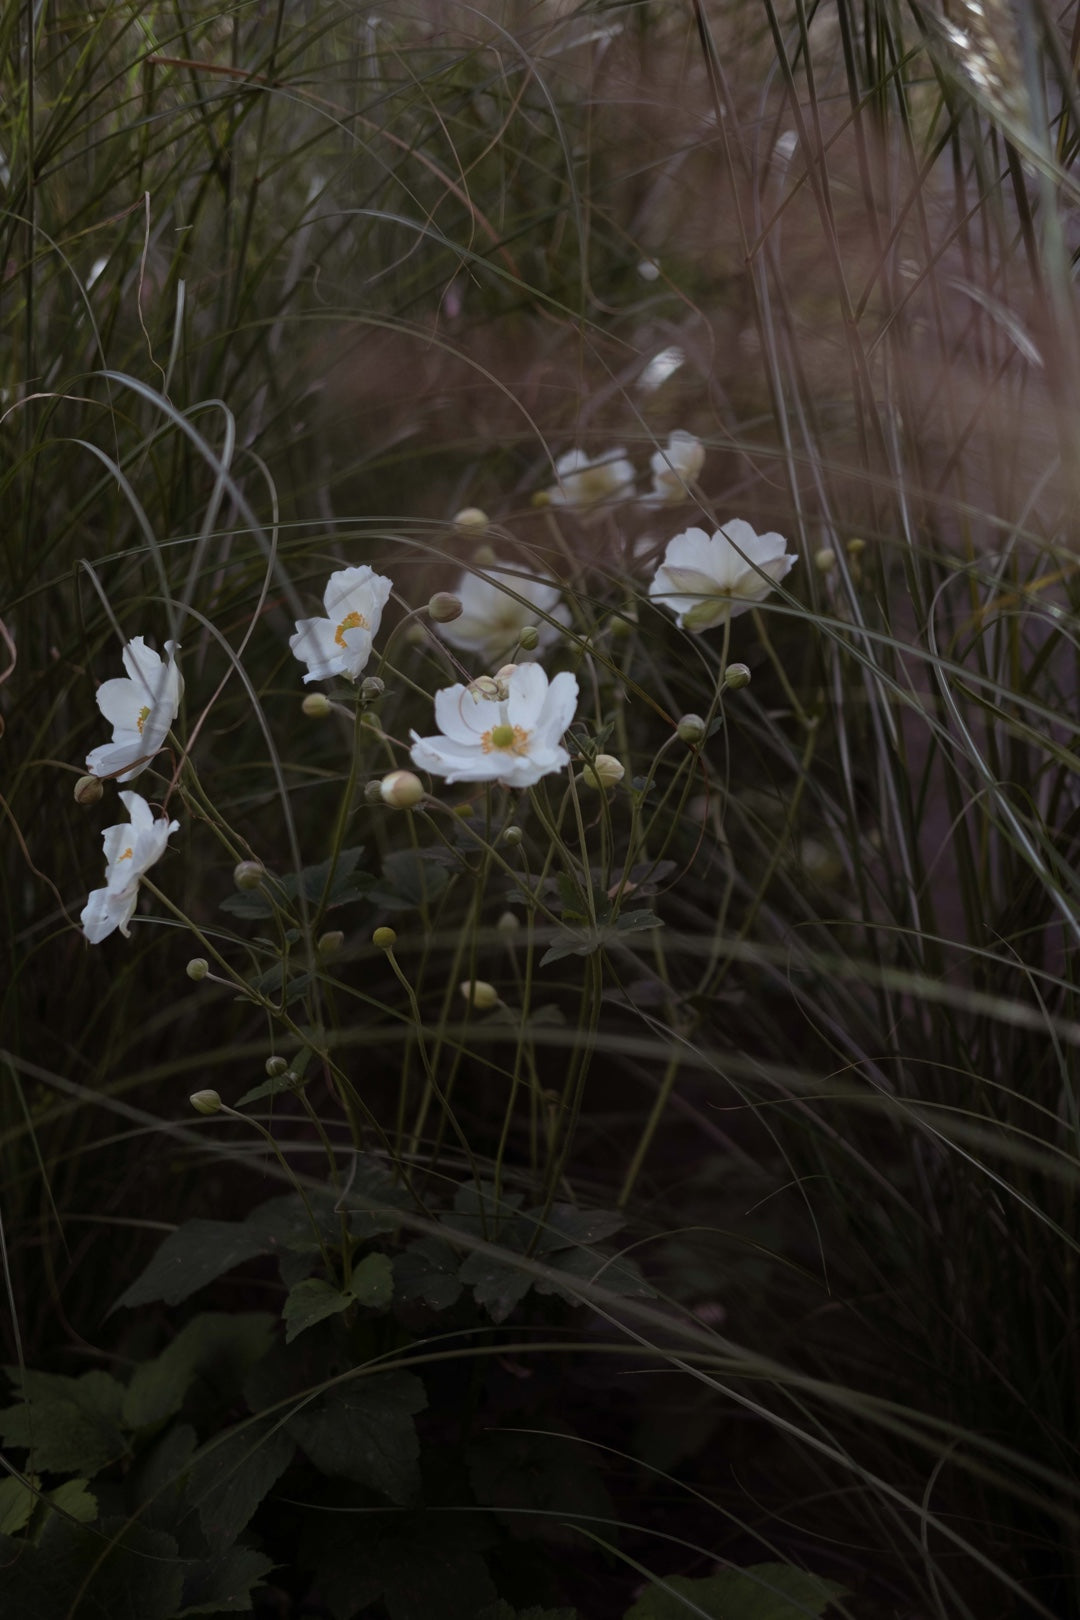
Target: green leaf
423, 1566
373, 1282
760, 1592
231, 1475
222, 1585
309, 1302
551, 1475
363, 1430
68, 1425
216, 1348
498, 1285
566, 1226
617, 1275
17, 1502
348, 884
503, 1611
192, 1256
409, 880
73, 1498
427, 1271
119, 1570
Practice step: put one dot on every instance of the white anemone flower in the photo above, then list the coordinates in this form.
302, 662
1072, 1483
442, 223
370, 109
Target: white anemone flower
582, 481
675, 468
491, 619
708, 579
131, 848
140, 707
340, 644
514, 739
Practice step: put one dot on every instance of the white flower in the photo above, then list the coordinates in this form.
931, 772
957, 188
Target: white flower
582, 482
674, 468
514, 740
140, 708
491, 620
340, 644
131, 848
705, 580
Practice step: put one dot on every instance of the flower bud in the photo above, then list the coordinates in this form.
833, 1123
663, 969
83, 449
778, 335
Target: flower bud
445, 607
384, 938
371, 688
825, 560
529, 639
605, 771
485, 686
463, 810
512, 837
275, 1066
471, 518
373, 793
329, 944
736, 676
479, 994
205, 1102
691, 729
504, 672
623, 623
855, 548
484, 556
401, 790
248, 874
88, 790
316, 706
197, 968
507, 924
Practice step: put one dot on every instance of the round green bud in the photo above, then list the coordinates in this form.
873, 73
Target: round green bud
605, 771
88, 790
507, 924
384, 938
197, 968
855, 548
445, 607
401, 790
736, 676
691, 729
464, 810
206, 1102
248, 874
529, 638
329, 944
275, 1066
825, 560
371, 688
471, 519
480, 994
512, 837
316, 706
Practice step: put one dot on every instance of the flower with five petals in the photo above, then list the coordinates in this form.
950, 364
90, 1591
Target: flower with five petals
675, 468
582, 481
491, 619
131, 848
707, 579
513, 739
340, 644
140, 707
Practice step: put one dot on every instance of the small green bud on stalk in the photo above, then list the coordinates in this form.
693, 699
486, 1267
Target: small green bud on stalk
371, 688
736, 676
275, 1066
373, 793
197, 968
507, 924
384, 938
328, 944
316, 706
480, 994
249, 874
825, 561
206, 1102
88, 790
444, 607
512, 837
691, 729
605, 771
401, 790
464, 810
483, 556
529, 638
855, 548
471, 519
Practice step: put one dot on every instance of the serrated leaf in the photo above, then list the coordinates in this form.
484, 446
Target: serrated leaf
231, 1476
616, 1275
759, 1592
68, 1425
222, 1585
409, 880
363, 1430
497, 1285
566, 1226
372, 1282
192, 1256
348, 884
427, 1271
73, 1498
311, 1301
216, 1347
17, 1502
116, 1570
634, 922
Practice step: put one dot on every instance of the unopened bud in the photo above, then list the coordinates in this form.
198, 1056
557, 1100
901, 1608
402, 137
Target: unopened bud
316, 706
88, 790
605, 771
505, 671
825, 561
384, 938
479, 994
248, 874
197, 968
401, 790
855, 548
623, 623
329, 944
206, 1102
471, 518
485, 686
691, 729
736, 676
445, 607
508, 924
371, 688
464, 810
275, 1066
529, 638
512, 836
373, 793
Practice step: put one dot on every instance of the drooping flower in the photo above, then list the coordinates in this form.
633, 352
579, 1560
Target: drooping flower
675, 468
491, 619
131, 848
707, 579
340, 644
582, 481
140, 707
513, 739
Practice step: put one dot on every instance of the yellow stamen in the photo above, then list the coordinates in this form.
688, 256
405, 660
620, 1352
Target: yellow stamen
506, 740
127, 854
142, 717
351, 621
